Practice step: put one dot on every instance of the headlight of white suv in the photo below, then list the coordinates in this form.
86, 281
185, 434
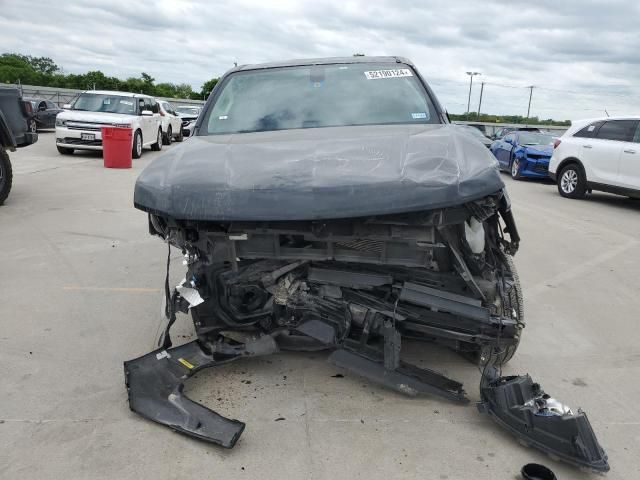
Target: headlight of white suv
60, 123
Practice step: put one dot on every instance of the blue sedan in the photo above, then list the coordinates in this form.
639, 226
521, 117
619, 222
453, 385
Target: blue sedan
524, 154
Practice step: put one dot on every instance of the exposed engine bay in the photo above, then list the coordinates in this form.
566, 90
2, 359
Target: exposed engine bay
355, 286
443, 275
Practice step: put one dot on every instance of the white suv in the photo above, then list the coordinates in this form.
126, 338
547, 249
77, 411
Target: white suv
171, 123
600, 154
78, 126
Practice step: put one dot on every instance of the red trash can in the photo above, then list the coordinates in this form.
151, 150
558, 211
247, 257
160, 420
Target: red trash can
116, 147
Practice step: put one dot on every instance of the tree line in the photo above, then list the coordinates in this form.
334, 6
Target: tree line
515, 119
43, 71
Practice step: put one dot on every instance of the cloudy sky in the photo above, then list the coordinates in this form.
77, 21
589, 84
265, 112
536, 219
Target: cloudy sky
582, 56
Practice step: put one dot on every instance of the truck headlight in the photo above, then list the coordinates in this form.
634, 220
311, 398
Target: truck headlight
60, 123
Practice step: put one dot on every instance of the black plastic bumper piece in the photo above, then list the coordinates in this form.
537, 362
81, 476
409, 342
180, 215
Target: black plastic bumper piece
155, 384
520, 406
407, 379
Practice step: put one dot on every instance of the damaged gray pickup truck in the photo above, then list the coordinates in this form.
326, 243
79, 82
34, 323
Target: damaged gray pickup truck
330, 204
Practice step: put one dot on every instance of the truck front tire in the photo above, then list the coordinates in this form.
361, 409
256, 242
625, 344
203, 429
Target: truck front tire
6, 175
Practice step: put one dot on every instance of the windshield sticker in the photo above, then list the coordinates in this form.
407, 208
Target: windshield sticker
418, 115
591, 128
107, 101
223, 117
126, 102
395, 73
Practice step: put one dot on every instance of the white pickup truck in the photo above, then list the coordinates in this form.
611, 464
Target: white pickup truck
78, 126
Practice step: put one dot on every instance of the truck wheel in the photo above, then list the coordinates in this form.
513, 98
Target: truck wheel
136, 152
65, 150
156, 147
513, 308
572, 182
6, 175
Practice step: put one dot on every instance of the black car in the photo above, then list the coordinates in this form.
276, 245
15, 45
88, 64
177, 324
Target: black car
14, 133
329, 204
44, 113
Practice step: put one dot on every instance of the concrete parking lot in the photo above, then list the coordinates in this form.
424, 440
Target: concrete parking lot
81, 291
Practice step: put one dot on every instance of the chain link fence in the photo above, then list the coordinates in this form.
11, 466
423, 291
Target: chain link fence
62, 96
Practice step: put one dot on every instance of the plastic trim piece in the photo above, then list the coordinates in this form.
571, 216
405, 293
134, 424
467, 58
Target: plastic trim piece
155, 383
520, 406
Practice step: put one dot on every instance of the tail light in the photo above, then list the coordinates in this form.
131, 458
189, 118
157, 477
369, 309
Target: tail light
28, 107
556, 142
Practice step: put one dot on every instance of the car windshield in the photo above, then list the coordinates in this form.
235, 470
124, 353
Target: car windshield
188, 110
319, 96
530, 138
96, 102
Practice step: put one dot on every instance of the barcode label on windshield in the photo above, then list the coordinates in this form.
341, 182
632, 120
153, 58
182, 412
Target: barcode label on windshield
395, 73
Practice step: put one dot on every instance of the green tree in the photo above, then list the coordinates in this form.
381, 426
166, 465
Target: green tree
43, 71
15, 67
43, 65
207, 87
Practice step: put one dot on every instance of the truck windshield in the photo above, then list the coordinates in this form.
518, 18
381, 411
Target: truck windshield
96, 102
319, 96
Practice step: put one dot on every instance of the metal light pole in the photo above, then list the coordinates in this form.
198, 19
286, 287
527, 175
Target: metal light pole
471, 75
530, 95
480, 102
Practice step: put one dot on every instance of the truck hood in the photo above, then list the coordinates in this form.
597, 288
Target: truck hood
95, 117
318, 173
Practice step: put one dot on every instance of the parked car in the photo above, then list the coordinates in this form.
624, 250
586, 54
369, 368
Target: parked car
44, 112
14, 133
476, 133
524, 153
171, 123
189, 115
78, 127
599, 154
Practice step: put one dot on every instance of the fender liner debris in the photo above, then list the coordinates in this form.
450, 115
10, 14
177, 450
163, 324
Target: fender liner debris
155, 385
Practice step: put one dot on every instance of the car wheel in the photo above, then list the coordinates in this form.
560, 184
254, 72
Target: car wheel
515, 169
180, 136
6, 175
65, 150
572, 182
156, 147
33, 126
169, 136
137, 144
